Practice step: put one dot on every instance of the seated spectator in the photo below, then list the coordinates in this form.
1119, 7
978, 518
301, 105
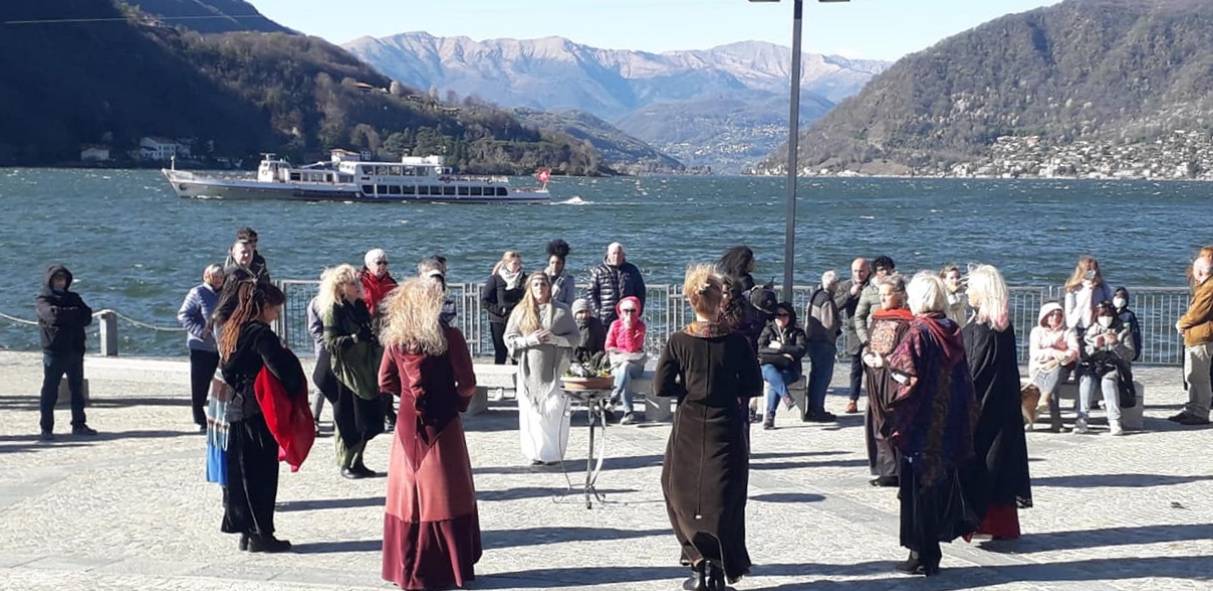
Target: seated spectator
1109, 348
781, 347
1120, 299
1052, 355
589, 352
625, 346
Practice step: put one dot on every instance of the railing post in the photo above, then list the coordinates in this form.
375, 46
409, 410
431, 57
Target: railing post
108, 323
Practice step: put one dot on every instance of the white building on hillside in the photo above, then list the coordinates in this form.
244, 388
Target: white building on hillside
158, 148
94, 153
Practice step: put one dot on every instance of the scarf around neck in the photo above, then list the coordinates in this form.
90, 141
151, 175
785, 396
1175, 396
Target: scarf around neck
511, 278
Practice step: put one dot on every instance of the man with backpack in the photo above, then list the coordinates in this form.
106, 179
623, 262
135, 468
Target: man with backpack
823, 325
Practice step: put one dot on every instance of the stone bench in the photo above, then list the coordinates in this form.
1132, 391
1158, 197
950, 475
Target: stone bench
799, 390
500, 378
1130, 418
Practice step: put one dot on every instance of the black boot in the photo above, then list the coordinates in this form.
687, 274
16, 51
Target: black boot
267, 544
699, 574
244, 541
715, 577
911, 565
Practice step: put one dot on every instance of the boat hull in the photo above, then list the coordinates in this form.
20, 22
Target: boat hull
187, 185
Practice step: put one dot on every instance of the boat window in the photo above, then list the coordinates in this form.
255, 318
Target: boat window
382, 189
477, 191
395, 171
448, 190
463, 191
368, 170
502, 192
328, 178
435, 190
345, 178
368, 189
423, 190
410, 171
394, 189
409, 189
294, 176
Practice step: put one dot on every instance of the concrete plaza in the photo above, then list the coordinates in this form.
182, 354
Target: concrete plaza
129, 509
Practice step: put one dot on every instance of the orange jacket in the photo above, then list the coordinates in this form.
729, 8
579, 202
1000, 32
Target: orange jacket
1197, 323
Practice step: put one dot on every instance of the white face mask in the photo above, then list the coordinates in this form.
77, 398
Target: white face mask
1105, 321
1119, 303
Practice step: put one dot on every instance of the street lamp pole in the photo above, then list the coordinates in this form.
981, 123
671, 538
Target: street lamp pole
789, 242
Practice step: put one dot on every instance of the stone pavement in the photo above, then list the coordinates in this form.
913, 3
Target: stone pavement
130, 509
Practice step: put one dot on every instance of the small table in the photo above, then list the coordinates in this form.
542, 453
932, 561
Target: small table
597, 403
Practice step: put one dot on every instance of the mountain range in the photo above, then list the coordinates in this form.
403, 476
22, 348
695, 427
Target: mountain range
1105, 75
716, 106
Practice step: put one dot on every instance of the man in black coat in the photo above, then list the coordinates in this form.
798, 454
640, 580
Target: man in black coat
62, 316
612, 281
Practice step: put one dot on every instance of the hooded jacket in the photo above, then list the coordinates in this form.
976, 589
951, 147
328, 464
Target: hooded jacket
1048, 348
624, 338
62, 315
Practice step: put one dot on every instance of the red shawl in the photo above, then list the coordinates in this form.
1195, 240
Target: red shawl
374, 289
287, 416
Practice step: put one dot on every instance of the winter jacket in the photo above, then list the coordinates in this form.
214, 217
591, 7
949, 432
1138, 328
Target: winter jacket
1123, 348
62, 315
869, 301
498, 300
609, 285
564, 288
1049, 348
822, 321
315, 325
195, 317
775, 342
846, 305
257, 268
625, 339
354, 347
1197, 323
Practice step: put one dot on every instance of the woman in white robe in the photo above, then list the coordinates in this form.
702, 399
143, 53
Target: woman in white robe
540, 335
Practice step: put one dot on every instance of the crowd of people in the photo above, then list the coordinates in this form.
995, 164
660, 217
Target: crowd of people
944, 422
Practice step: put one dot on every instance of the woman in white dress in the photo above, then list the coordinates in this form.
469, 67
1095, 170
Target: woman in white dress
541, 335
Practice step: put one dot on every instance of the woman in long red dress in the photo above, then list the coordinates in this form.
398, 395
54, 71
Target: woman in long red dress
431, 532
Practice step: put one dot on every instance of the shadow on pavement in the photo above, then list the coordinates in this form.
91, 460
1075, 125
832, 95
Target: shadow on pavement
1113, 536
338, 547
572, 577
788, 498
1116, 480
537, 536
319, 504
821, 464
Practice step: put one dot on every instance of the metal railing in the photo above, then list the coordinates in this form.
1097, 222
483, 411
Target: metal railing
666, 312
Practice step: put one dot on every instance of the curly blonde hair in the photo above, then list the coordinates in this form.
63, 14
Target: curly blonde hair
528, 309
703, 289
331, 281
411, 318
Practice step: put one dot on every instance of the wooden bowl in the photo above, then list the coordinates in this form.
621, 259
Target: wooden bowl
577, 384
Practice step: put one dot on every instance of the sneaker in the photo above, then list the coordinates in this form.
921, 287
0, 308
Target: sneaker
46, 437
1116, 429
1188, 419
83, 430
1080, 426
852, 407
628, 419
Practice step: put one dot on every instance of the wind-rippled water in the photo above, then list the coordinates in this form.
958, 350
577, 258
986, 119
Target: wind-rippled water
137, 248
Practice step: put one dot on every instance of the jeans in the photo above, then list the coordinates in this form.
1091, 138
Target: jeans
856, 374
1111, 395
624, 374
202, 371
821, 358
1196, 370
54, 366
778, 380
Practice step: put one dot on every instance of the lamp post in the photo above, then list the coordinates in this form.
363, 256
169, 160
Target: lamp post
789, 243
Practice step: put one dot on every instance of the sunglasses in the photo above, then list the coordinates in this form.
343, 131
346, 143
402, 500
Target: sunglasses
628, 310
382, 262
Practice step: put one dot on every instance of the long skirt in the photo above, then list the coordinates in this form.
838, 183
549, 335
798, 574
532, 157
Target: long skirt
358, 420
431, 531
1001, 522
932, 512
252, 476
543, 429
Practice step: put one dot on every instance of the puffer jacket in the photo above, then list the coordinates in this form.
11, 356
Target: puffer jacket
609, 285
62, 315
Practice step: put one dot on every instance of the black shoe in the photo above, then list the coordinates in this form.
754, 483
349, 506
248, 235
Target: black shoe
715, 577
46, 437
699, 575
823, 417
1191, 420
83, 430
268, 544
885, 481
768, 425
352, 474
365, 472
910, 565
244, 541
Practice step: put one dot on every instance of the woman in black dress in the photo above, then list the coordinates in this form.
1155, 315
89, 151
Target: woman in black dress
706, 470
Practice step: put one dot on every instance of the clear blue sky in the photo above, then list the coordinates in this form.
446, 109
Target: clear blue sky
876, 29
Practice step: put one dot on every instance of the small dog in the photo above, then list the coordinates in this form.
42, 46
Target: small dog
1029, 398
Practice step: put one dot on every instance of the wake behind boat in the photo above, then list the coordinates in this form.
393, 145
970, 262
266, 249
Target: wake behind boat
347, 178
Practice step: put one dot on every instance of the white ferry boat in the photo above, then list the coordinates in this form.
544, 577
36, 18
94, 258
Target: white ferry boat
347, 178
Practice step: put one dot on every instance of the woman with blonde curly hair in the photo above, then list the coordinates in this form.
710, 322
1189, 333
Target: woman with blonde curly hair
707, 367
354, 351
541, 335
431, 531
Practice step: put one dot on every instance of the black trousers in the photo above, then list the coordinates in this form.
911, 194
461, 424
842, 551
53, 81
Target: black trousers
202, 370
856, 374
500, 353
252, 478
54, 367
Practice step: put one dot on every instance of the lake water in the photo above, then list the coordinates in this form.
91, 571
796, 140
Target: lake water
137, 248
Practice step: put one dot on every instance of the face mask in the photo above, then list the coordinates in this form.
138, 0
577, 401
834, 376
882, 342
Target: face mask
1105, 321
1119, 302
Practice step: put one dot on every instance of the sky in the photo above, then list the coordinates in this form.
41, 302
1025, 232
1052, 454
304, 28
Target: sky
868, 29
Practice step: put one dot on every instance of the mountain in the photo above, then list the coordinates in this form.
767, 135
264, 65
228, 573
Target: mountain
705, 87
233, 94
1111, 76
620, 151
209, 16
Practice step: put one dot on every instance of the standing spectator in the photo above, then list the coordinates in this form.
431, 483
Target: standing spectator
1052, 356
625, 346
1000, 482
358, 411
823, 325
377, 283
612, 281
62, 316
781, 347
195, 317
541, 335
592, 346
564, 286
1196, 326
887, 327
1084, 290
705, 474
958, 303
1109, 349
428, 545
246, 346
255, 264
322, 373
503, 290
1120, 300
433, 269
738, 264
846, 299
932, 427
240, 259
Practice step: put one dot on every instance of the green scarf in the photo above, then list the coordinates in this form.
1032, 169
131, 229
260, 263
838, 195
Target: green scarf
355, 364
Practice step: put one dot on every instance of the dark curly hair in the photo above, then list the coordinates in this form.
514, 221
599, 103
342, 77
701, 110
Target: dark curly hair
558, 248
737, 261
